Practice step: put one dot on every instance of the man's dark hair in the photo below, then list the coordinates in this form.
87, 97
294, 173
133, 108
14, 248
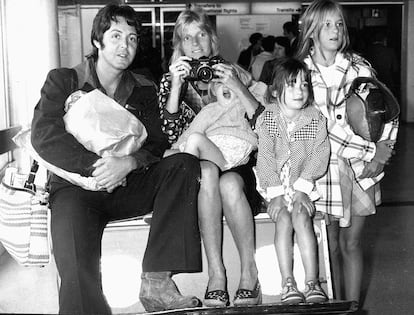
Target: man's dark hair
103, 19
291, 27
284, 42
268, 43
255, 37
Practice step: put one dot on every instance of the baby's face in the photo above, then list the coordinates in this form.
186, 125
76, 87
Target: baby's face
225, 96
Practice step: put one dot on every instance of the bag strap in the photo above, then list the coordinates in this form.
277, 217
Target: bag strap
29, 184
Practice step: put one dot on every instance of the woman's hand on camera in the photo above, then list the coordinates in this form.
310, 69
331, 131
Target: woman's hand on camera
179, 70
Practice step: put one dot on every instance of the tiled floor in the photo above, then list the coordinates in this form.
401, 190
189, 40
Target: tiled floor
388, 243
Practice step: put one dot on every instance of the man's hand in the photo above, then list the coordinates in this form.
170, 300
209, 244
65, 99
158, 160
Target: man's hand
372, 169
302, 200
274, 207
110, 172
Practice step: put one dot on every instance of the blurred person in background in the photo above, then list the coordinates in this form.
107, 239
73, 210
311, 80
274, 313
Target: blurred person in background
282, 49
246, 56
268, 45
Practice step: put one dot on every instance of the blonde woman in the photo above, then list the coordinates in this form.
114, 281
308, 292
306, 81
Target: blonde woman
233, 192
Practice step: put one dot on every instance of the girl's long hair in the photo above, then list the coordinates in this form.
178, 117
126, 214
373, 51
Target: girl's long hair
311, 23
186, 18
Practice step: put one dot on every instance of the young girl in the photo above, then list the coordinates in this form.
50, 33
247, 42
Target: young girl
220, 132
293, 153
350, 190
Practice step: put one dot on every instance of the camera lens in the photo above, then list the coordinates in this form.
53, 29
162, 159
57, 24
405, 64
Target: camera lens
205, 74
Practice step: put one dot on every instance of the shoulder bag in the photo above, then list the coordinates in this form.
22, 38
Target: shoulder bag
25, 218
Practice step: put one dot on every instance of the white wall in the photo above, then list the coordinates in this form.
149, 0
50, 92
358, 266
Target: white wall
70, 35
31, 49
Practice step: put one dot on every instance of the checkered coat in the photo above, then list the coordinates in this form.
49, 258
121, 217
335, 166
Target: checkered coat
306, 147
349, 152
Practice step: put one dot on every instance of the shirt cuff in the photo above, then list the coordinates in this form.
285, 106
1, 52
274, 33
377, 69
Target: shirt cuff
303, 186
171, 116
274, 191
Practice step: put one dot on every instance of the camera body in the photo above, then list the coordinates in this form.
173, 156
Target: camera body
201, 69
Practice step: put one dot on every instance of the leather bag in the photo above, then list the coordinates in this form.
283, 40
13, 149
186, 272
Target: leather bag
369, 106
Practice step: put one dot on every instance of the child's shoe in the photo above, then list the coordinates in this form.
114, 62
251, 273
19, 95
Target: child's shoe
314, 293
291, 294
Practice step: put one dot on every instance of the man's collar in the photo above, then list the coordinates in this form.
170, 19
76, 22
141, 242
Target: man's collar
86, 72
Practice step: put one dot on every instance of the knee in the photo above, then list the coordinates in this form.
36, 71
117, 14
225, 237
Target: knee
209, 171
334, 248
209, 177
195, 138
301, 219
231, 186
184, 162
350, 246
284, 219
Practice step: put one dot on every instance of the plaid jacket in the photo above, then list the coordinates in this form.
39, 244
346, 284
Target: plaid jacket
306, 147
349, 152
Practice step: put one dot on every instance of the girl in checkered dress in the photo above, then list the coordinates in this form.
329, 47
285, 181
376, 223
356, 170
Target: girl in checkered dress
293, 152
349, 189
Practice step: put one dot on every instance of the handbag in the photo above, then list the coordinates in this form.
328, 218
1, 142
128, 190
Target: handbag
25, 218
369, 106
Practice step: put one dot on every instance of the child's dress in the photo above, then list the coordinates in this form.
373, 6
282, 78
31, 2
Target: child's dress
227, 127
291, 156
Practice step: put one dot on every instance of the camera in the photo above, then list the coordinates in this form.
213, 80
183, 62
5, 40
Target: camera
201, 69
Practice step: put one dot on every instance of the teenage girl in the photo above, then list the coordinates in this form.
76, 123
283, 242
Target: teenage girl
350, 190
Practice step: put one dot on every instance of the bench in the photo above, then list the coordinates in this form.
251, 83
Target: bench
123, 246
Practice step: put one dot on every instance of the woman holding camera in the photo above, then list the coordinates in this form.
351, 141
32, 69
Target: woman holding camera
233, 193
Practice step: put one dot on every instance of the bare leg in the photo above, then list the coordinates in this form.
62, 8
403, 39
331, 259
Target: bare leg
303, 226
210, 221
335, 259
199, 145
240, 221
284, 244
353, 262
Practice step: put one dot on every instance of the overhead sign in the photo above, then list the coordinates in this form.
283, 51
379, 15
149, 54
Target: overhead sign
276, 8
223, 8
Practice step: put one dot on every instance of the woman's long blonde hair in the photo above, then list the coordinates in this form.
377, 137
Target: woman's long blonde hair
186, 18
311, 22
